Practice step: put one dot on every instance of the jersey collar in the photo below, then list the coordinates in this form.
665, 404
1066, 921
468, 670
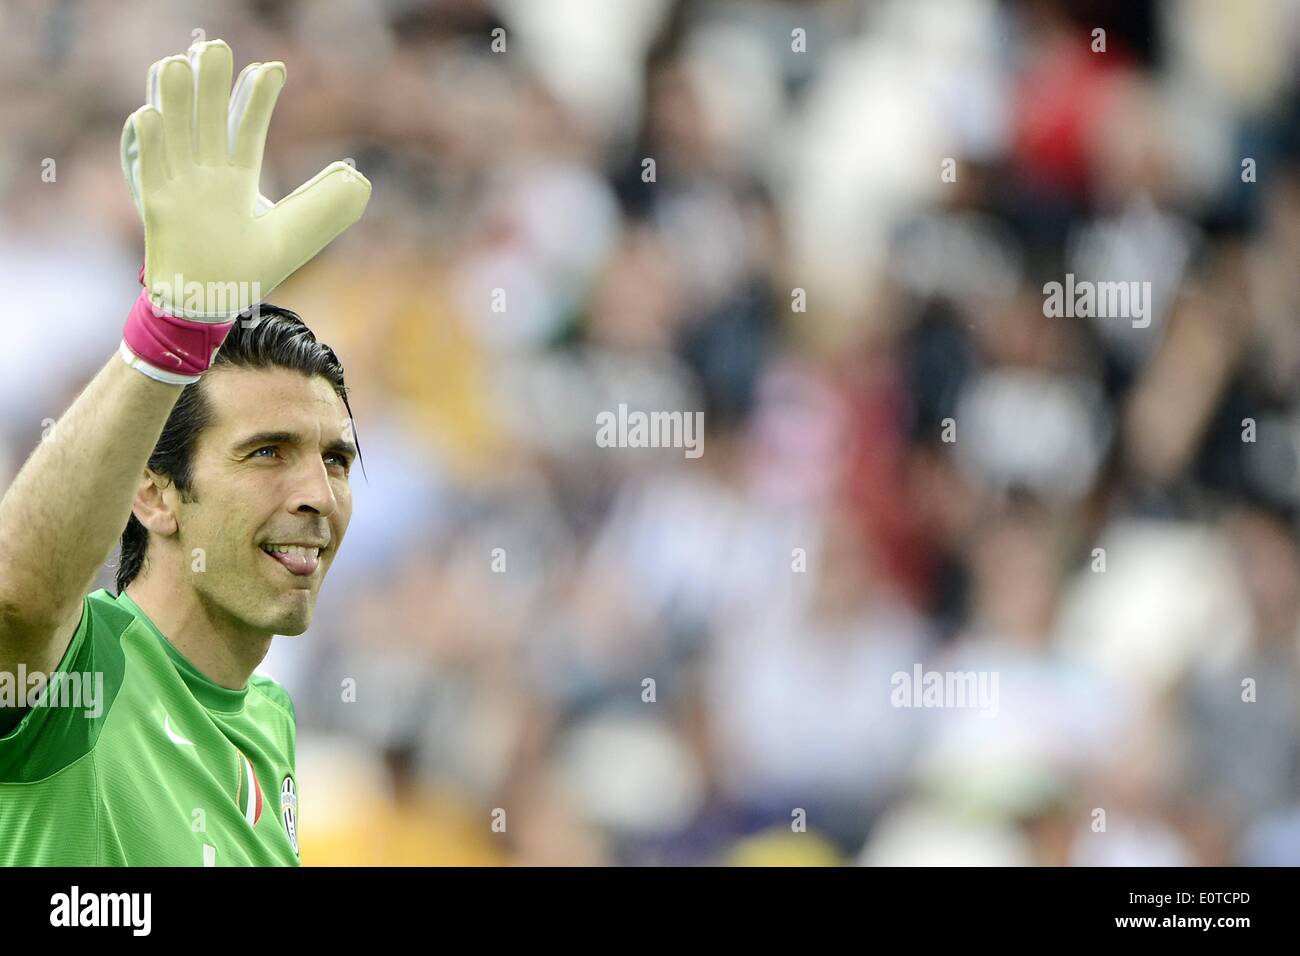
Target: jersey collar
208, 693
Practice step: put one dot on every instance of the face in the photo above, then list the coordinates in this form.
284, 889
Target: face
270, 470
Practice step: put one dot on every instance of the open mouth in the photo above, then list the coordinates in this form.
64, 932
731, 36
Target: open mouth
296, 559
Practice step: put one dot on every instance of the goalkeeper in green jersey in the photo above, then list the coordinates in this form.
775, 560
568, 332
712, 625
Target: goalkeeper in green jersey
133, 730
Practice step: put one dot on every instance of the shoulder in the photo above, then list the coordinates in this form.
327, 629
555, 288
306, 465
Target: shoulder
274, 692
275, 712
102, 606
104, 620
45, 739
97, 642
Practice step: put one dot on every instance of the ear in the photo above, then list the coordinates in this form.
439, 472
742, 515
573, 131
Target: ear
155, 502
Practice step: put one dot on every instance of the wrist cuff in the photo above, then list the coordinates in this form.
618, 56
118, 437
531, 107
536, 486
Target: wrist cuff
168, 348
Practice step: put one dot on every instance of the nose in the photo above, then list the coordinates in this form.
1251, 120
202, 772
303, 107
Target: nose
312, 491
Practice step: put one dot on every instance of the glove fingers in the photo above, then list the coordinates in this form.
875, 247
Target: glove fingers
143, 152
318, 210
212, 65
239, 102
152, 147
171, 90
252, 111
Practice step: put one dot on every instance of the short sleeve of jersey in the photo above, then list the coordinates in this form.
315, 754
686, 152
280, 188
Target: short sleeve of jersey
48, 737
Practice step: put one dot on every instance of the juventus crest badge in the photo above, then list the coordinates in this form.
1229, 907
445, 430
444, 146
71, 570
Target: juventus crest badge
289, 810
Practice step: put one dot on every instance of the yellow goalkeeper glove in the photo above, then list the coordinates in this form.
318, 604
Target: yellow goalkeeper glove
214, 246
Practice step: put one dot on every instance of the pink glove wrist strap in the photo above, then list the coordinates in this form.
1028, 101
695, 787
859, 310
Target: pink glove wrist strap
180, 347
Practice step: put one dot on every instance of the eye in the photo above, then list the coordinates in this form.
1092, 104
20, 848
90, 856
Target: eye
343, 461
259, 451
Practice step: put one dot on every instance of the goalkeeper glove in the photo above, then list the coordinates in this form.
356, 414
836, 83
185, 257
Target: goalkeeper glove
215, 247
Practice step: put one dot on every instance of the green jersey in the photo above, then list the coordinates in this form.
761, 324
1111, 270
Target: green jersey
155, 765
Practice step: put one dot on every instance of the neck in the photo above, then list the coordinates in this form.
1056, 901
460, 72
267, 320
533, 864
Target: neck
223, 649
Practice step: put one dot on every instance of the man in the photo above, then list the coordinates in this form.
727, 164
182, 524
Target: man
133, 730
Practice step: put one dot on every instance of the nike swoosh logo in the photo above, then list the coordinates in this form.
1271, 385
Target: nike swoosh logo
174, 737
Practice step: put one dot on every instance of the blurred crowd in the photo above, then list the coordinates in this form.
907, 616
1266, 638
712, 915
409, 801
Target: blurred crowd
536, 650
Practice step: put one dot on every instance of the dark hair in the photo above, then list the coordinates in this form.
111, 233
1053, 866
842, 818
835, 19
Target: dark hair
270, 337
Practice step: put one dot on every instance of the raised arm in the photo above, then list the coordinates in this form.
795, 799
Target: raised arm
65, 510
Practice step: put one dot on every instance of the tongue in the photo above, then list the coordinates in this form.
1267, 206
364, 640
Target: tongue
297, 563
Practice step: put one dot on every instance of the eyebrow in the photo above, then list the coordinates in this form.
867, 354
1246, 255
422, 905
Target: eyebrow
252, 442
